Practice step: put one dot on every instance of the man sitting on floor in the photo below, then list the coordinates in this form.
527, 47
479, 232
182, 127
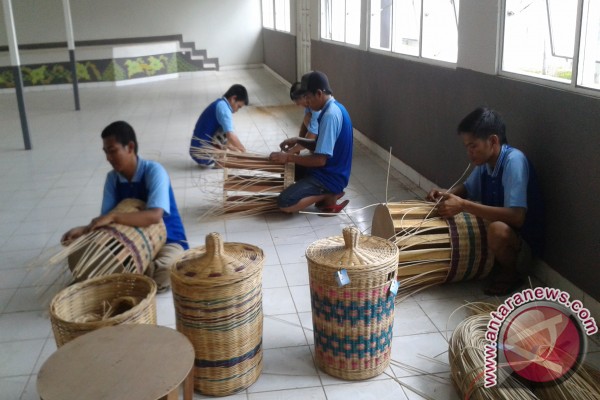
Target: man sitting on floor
322, 175
215, 125
134, 177
503, 190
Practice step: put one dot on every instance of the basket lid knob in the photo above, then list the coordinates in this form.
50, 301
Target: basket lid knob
351, 236
218, 263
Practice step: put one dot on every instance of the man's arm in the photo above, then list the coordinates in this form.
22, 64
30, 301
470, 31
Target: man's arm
234, 143
310, 160
458, 190
453, 204
141, 219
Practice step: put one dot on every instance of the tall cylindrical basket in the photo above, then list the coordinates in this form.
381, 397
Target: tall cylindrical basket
352, 324
217, 291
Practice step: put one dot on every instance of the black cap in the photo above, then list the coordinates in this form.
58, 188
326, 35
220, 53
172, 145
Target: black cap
296, 91
314, 81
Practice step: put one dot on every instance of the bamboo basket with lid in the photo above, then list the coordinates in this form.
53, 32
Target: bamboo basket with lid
352, 324
217, 291
102, 301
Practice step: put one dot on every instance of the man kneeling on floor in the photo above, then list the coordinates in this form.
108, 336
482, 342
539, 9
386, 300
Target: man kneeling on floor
503, 190
321, 176
134, 177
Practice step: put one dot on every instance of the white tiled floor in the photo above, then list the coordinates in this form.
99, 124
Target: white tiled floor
58, 185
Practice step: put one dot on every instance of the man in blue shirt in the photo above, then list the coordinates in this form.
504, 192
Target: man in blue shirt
215, 125
503, 190
322, 175
134, 177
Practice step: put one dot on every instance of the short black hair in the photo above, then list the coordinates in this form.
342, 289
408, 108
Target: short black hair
483, 122
122, 132
240, 93
296, 91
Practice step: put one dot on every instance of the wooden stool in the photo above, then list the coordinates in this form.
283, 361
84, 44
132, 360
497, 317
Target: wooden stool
128, 362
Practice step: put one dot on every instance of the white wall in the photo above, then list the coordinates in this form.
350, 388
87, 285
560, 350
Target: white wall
227, 29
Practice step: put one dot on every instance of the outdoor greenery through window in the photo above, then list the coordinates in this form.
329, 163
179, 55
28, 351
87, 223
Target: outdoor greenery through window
541, 38
340, 20
426, 28
276, 14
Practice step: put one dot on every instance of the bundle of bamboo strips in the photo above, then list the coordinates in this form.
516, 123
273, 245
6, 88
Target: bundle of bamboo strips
251, 182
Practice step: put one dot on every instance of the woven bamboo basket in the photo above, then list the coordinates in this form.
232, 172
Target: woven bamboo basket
352, 324
115, 248
433, 250
102, 301
217, 291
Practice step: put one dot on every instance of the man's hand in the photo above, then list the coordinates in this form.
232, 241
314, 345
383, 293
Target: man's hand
450, 205
279, 157
434, 194
288, 144
73, 234
101, 221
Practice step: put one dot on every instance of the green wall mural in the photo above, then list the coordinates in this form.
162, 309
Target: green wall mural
106, 70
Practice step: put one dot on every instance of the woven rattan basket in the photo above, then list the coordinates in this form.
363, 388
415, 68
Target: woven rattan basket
217, 291
352, 324
433, 250
115, 248
78, 309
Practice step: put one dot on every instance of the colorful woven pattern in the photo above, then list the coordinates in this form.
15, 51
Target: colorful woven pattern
217, 291
468, 240
114, 248
352, 324
433, 250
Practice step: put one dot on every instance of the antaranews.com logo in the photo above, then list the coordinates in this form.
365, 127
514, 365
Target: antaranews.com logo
537, 335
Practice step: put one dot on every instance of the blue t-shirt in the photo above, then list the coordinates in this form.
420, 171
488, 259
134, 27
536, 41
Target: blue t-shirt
218, 116
512, 183
313, 125
152, 185
335, 140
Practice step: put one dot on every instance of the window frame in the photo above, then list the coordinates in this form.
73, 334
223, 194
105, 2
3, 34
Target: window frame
571, 86
290, 21
419, 57
361, 32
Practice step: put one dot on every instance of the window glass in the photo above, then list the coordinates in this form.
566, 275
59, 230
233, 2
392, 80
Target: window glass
267, 14
539, 38
440, 30
425, 28
589, 53
282, 15
340, 20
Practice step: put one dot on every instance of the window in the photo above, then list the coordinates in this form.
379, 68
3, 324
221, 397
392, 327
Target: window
276, 14
340, 20
547, 39
426, 28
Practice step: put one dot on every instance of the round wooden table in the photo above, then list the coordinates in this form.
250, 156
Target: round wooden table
126, 362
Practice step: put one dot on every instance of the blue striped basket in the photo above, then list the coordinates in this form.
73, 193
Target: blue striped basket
217, 291
352, 324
